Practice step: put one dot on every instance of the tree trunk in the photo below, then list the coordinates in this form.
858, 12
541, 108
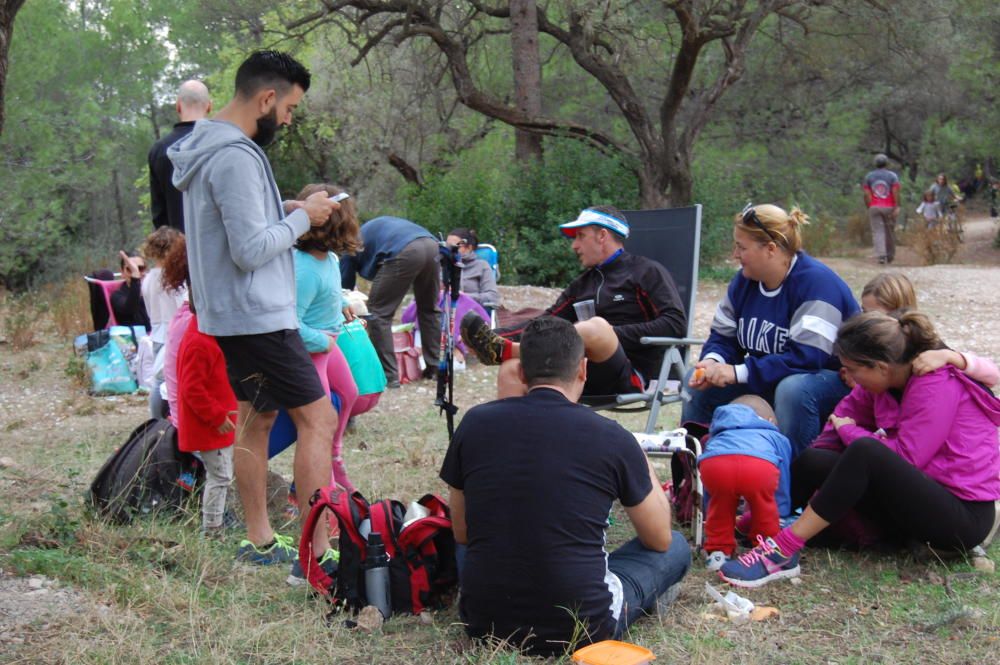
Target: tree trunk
8, 9
527, 74
120, 209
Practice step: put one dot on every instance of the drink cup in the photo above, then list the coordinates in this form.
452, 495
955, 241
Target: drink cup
584, 310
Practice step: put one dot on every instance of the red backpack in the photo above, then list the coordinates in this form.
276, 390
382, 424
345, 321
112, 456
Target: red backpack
422, 567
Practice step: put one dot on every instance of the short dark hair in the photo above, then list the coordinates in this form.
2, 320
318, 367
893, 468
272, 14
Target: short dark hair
468, 236
270, 69
551, 350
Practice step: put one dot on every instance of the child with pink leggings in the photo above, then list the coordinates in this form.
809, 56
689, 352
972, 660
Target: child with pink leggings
321, 310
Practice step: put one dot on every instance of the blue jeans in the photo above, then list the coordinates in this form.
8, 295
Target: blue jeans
802, 403
646, 575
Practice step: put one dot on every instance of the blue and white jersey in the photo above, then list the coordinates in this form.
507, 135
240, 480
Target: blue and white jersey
769, 335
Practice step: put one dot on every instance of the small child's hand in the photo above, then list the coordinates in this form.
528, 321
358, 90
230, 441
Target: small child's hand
229, 424
928, 361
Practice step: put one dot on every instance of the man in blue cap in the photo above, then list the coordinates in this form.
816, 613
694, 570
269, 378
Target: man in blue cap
633, 297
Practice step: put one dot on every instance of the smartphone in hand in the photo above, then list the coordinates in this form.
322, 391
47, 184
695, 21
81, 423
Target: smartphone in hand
337, 198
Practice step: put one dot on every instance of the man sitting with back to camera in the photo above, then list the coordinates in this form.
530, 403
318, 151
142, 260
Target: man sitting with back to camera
532, 480
633, 297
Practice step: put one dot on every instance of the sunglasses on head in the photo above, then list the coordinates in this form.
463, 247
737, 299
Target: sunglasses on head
750, 218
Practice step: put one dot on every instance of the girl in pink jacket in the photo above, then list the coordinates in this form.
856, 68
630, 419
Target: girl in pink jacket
918, 454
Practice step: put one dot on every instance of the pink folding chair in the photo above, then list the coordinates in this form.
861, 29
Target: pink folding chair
108, 286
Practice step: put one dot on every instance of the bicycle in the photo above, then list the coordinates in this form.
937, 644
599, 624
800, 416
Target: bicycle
953, 220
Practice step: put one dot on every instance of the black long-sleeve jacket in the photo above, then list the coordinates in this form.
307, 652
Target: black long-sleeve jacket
638, 297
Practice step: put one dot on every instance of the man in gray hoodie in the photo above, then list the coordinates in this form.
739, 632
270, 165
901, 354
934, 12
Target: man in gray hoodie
239, 241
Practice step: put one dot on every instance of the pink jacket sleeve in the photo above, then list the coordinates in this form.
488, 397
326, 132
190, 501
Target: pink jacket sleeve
982, 370
859, 405
925, 418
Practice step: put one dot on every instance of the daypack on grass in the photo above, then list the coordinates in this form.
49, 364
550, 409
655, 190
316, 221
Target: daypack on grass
422, 567
146, 474
407, 356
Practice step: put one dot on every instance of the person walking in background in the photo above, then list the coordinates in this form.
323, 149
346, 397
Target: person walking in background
193, 104
239, 248
881, 188
397, 254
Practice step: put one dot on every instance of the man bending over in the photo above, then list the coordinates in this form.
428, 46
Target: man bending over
532, 480
633, 297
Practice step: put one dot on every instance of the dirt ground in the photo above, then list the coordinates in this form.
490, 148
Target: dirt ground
37, 397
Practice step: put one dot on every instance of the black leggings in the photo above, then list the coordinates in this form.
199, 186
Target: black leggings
882, 485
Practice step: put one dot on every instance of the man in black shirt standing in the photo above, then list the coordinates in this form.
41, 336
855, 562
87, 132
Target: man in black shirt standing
532, 480
630, 297
193, 103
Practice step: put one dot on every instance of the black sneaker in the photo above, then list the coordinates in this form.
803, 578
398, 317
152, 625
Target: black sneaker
328, 562
477, 335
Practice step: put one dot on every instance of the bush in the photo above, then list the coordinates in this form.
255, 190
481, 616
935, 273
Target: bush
519, 208
933, 245
21, 320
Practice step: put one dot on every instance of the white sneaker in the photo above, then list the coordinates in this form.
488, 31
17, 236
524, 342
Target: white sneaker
715, 560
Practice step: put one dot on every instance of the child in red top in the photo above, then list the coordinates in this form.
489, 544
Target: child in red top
206, 417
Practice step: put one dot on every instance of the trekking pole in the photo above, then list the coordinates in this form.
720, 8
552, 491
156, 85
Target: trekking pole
451, 278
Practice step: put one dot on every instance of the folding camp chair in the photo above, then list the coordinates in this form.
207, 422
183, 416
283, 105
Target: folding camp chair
106, 288
671, 237
489, 253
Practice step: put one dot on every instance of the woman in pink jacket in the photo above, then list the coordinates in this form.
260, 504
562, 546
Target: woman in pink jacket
918, 454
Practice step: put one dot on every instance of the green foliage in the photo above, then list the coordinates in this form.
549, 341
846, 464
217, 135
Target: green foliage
75, 141
518, 207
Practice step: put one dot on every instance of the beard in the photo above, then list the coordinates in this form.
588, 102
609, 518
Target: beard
267, 129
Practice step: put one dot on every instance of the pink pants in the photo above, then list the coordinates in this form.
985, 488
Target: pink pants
335, 375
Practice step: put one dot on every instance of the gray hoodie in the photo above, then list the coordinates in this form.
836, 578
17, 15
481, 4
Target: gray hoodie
238, 238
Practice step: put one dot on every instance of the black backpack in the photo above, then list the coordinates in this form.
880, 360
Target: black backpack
148, 474
422, 566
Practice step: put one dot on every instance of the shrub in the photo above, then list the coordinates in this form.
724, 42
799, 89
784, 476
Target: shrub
69, 305
21, 320
934, 245
519, 208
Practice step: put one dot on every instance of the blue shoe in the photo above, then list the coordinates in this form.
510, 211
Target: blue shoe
329, 562
760, 565
282, 550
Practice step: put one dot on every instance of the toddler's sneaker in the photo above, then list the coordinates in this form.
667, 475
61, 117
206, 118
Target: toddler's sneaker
760, 565
477, 335
282, 550
715, 560
328, 562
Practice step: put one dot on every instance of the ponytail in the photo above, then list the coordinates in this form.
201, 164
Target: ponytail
775, 225
874, 337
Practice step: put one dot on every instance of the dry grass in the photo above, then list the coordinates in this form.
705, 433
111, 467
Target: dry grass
69, 307
932, 245
157, 592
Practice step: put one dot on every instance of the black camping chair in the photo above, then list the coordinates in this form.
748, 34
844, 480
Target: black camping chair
671, 237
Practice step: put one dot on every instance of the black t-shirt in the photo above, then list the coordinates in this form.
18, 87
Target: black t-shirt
540, 474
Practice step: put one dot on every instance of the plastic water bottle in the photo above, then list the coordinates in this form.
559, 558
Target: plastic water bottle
377, 575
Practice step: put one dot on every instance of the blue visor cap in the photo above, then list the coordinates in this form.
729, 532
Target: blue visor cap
594, 218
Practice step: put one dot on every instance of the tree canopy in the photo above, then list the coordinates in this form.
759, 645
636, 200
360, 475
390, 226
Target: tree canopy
476, 114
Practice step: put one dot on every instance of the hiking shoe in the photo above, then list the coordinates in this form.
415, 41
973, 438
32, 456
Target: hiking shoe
477, 335
282, 550
328, 562
760, 565
715, 560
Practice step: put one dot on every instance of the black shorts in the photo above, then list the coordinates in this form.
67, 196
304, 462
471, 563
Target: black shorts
271, 371
613, 376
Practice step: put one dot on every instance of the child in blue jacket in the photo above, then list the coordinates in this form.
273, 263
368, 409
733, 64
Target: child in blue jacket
746, 456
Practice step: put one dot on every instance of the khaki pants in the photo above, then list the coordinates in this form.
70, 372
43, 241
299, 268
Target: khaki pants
218, 477
883, 238
417, 265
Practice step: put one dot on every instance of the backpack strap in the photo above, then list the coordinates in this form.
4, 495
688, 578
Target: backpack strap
349, 509
384, 520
